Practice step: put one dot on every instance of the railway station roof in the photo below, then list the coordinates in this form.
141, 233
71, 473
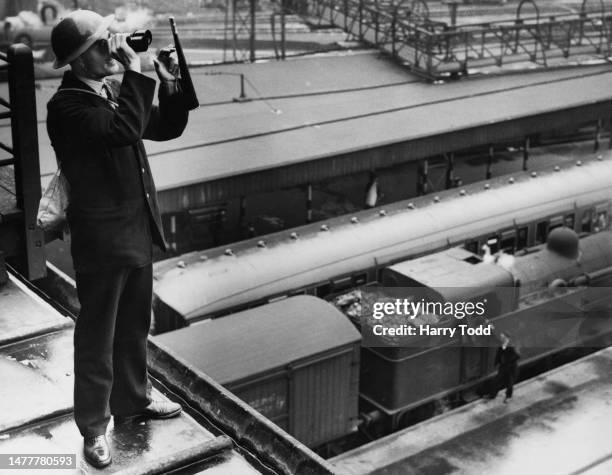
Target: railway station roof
320, 117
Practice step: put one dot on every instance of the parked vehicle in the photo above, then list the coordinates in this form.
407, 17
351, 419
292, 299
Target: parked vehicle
31, 25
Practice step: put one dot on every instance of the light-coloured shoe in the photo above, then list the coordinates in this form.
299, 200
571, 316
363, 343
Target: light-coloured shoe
162, 410
155, 410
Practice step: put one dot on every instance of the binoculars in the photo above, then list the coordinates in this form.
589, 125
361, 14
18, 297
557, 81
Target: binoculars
140, 40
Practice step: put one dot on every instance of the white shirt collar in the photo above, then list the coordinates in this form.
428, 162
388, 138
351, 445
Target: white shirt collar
95, 85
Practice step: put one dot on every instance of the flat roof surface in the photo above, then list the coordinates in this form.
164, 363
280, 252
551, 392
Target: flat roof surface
232, 138
260, 339
25, 315
143, 447
37, 395
310, 108
37, 379
555, 423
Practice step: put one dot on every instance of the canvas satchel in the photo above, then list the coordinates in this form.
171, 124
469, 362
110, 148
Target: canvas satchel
54, 201
53, 204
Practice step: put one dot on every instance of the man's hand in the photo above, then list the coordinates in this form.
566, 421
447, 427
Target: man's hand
122, 52
166, 64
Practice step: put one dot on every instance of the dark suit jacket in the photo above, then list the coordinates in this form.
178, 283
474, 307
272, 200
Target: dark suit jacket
507, 359
113, 213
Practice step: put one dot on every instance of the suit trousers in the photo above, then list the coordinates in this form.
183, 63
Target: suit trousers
505, 378
110, 346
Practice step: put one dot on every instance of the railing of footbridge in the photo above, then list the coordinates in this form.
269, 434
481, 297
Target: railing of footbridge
438, 49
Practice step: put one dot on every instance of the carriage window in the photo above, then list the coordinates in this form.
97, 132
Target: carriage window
568, 220
323, 290
586, 225
472, 246
541, 232
555, 223
521, 238
277, 298
508, 240
493, 244
602, 220
342, 284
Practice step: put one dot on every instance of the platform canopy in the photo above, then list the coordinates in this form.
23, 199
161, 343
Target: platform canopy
321, 117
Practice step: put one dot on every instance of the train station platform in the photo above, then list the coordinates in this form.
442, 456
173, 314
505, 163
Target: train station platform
555, 423
320, 117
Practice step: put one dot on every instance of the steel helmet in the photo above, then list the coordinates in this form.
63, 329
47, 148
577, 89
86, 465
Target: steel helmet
75, 33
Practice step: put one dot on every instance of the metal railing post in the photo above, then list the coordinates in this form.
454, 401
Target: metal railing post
361, 5
253, 5
429, 53
283, 31
394, 32
24, 129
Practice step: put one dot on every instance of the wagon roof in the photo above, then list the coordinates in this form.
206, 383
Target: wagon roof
261, 339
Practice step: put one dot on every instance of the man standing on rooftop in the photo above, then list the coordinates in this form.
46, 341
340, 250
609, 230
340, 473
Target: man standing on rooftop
96, 126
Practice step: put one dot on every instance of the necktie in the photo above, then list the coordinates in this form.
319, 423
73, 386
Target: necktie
106, 92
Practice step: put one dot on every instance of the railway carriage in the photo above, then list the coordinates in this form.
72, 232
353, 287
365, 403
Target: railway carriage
509, 213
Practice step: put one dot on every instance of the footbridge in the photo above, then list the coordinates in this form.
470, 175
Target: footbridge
530, 38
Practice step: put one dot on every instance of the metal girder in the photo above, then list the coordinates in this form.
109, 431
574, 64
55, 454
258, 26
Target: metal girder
241, 20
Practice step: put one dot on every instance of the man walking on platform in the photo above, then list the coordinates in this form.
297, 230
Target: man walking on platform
96, 126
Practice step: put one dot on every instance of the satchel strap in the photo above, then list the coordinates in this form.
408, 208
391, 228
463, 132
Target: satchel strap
83, 91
